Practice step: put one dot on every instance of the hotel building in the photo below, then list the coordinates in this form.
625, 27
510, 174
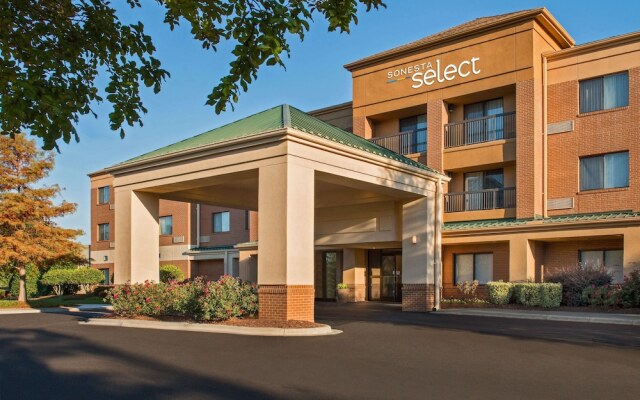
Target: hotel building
495, 150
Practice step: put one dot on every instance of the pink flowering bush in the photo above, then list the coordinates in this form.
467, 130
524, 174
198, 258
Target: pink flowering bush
201, 300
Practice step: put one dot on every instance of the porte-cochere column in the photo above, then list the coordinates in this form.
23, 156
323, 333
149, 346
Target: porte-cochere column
286, 246
137, 247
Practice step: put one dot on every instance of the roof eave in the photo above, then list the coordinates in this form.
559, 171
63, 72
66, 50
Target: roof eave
550, 23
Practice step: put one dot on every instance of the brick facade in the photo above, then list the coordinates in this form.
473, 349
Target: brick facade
286, 302
418, 297
594, 133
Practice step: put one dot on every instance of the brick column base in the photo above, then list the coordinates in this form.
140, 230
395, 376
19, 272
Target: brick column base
286, 302
417, 297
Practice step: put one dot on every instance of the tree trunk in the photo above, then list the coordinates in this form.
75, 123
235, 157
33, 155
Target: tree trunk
22, 294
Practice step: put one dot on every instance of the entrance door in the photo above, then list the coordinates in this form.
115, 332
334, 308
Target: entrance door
105, 272
384, 274
328, 274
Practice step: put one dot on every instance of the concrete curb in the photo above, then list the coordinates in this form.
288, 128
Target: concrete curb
13, 311
616, 319
58, 310
323, 330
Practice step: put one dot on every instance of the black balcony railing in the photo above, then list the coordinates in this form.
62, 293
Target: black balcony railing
409, 142
487, 199
480, 130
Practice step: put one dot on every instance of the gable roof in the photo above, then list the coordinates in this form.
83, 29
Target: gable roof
273, 119
477, 24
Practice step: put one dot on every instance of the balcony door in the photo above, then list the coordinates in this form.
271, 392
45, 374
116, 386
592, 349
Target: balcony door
417, 142
483, 190
481, 127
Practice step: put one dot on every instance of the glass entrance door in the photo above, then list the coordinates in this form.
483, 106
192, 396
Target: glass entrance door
384, 274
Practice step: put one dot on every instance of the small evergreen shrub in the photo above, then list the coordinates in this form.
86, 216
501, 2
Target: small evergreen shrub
499, 292
547, 295
575, 279
169, 272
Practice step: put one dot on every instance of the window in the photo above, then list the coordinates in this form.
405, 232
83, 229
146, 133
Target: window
247, 219
604, 171
221, 222
604, 92
612, 259
478, 193
482, 129
103, 195
166, 225
418, 142
470, 267
103, 231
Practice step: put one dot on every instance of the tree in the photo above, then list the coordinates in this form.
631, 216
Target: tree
28, 232
52, 51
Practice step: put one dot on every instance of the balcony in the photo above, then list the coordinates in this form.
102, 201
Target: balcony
486, 199
410, 142
480, 130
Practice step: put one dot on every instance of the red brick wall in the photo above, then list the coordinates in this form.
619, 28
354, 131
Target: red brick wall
594, 133
181, 214
237, 234
435, 134
557, 255
286, 302
102, 214
526, 174
417, 297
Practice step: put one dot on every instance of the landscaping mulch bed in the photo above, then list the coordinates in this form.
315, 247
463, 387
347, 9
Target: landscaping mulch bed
587, 309
254, 322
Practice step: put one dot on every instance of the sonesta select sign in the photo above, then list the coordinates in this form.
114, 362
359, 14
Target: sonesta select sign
427, 74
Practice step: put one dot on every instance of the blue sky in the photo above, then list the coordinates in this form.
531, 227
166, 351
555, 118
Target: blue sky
314, 77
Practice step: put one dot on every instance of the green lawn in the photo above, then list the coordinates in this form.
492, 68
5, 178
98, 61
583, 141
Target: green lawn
54, 301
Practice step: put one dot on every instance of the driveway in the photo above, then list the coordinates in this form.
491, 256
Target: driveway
382, 354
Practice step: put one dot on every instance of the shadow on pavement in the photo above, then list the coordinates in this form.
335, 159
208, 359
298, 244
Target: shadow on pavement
58, 363
340, 315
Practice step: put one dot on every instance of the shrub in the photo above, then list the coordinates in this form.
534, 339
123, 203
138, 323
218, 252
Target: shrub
601, 296
575, 280
342, 286
199, 299
630, 290
548, 295
169, 272
64, 278
468, 288
57, 279
85, 277
499, 292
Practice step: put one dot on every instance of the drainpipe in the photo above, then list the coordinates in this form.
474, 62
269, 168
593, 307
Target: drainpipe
437, 247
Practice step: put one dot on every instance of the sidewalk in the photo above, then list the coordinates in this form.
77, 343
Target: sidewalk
596, 318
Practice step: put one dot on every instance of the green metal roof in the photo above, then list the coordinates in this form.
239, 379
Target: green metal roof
283, 116
493, 223
212, 248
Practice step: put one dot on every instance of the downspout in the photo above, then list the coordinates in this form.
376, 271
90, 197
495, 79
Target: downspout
437, 247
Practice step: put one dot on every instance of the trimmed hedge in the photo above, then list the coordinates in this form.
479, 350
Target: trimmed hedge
547, 295
61, 279
169, 272
499, 292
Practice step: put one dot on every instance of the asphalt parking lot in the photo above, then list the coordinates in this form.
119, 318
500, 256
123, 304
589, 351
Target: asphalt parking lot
382, 354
